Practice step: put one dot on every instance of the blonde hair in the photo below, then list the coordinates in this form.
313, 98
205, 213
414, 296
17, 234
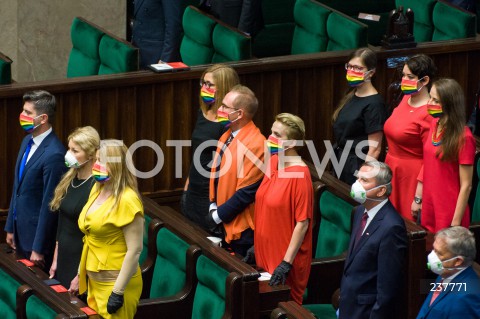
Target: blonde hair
294, 124
225, 78
119, 165
88, 140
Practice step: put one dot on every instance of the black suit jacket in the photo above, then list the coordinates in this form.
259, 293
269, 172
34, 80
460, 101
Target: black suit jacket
373, 273
246, 15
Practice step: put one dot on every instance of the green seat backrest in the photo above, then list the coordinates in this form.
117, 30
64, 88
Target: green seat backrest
197, 46
230, 45
8, 293
209, 300
37, 309
144, 253
476, 205
310, 33
84, 58
423, 17
117, 56
5, 71
338, 39
276, 36
169, 272
452, 23
324, 311
335, 225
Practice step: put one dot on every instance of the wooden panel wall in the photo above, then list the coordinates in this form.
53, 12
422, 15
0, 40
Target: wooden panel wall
160, 107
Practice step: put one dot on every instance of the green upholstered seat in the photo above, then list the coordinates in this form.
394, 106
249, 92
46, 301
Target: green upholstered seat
324, 311
170, 266
423, 17
144, 253
275, 38
197, 44
8, 291
116, 56
320, 28
452, 23
209, 300
338, 39
310, 33
5, 70
335, 225
84, 58
230, 45
37, 309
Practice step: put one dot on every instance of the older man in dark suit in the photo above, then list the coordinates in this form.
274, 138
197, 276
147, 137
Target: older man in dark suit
31, 226
372, 277
456, 292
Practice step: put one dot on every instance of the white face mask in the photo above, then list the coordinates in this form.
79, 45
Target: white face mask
436, 265
71, 161
359, 194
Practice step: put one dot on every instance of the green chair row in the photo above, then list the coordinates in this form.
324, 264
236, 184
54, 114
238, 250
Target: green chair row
352, 8
437, 20
320, 28
192, 278
5, 69
208, 40
23, 294
96, 51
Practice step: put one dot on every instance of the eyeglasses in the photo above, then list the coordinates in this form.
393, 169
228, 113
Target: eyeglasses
355, 68
228, 107
209, 85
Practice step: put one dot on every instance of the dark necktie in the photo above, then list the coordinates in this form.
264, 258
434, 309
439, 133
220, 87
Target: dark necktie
361, 228
24, 159
437, 292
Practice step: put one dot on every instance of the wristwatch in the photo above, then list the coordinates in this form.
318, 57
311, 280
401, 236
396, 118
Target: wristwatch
418, 200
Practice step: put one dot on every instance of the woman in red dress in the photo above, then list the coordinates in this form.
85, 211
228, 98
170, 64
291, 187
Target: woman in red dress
283, 210
406, 130
448, 157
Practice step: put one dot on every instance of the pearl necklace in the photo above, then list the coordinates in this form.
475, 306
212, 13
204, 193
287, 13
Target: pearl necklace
71, 183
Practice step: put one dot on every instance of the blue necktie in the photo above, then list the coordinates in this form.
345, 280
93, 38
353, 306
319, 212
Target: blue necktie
24, 159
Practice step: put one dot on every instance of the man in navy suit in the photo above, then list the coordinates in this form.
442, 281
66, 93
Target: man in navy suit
456, 292
31, 226
372, 276
157, 30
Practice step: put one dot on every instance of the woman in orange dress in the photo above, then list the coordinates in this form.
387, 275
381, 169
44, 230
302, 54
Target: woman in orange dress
406, 130
283, 210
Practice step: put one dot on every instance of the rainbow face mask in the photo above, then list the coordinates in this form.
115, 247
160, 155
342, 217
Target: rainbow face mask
100, 173
410, 86
222, 118
27, 122
274, 144
435, 110
207, 95
355, 78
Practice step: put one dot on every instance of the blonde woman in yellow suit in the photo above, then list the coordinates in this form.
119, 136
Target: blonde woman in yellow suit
112, 221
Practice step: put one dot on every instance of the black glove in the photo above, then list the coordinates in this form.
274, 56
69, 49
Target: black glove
214, 228
249, 256
115, 302
280, 273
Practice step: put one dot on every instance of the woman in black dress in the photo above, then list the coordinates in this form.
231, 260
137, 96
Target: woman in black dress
359, 118
69, 198
215, 83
